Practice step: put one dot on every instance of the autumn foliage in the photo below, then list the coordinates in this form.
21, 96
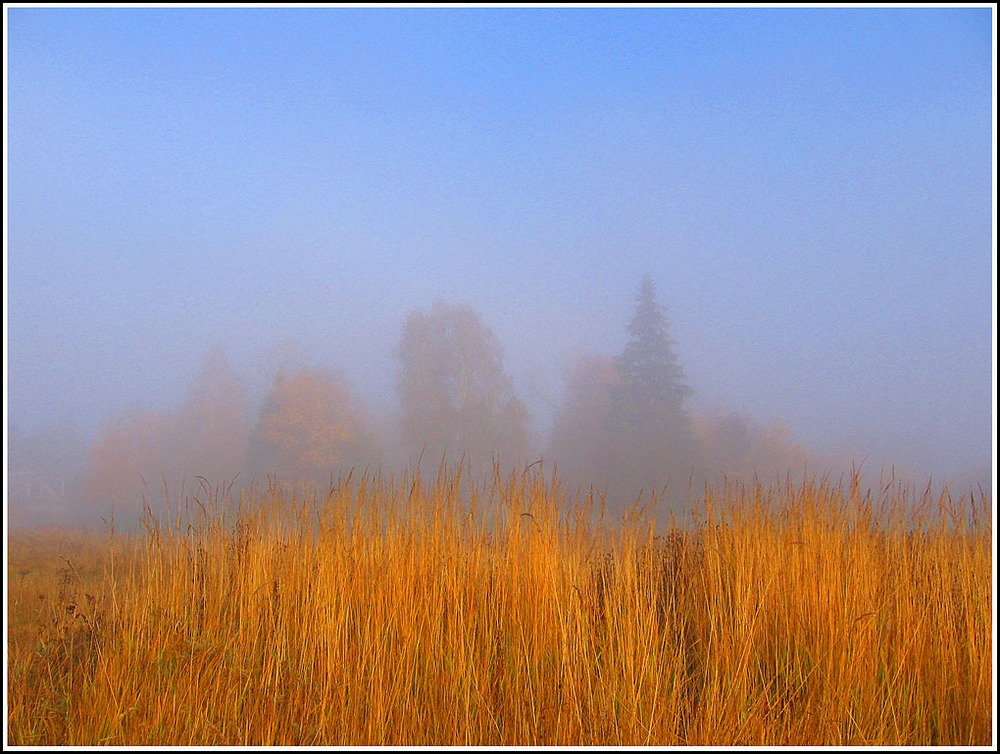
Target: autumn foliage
148, 456
310, 428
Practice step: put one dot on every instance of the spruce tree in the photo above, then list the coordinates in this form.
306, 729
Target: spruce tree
653, 379
650, 430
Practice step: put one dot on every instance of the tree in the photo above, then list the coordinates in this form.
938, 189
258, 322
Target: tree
650, 434
126, 465
310, 429
579, 441
652, 378
147, 454
209, 430
456, 399
735, 447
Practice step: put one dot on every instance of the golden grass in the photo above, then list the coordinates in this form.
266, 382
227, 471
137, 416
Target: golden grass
403, 613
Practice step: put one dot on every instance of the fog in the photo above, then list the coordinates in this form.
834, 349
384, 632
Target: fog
245, 242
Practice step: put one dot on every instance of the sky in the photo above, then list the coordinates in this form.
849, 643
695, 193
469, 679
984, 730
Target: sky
812, 190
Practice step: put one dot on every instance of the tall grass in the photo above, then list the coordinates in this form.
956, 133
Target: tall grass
446, 613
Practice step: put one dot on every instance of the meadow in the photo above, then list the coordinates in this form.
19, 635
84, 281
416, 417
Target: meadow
443, 612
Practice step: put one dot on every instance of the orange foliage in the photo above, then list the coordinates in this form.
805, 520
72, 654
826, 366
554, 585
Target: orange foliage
127, 454
309, 428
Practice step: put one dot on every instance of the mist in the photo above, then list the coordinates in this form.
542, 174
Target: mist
253, 244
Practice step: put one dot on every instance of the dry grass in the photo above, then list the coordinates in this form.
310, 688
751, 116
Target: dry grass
404, 613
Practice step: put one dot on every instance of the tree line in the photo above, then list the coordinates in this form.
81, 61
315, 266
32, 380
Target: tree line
622, 429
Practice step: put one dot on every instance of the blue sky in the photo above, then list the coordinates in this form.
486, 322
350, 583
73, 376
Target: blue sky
811, 188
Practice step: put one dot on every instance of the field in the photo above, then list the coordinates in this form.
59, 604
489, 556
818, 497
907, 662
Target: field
445, 613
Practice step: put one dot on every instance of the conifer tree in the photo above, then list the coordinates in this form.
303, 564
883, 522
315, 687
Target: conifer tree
650, 431
653, 382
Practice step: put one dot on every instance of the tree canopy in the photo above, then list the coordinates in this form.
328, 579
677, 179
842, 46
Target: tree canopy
310, 429
456, 399
650, 396
652, 377
650, 431
623, 426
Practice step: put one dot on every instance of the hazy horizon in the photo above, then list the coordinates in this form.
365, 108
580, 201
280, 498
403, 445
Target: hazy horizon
813, 191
